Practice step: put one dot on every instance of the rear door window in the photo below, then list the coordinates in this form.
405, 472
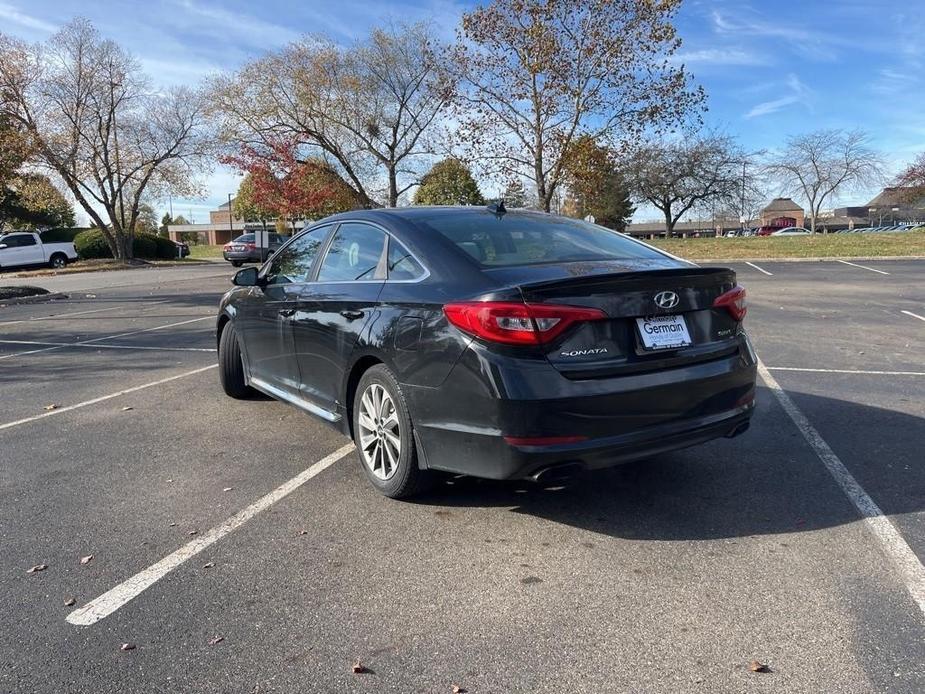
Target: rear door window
355, 254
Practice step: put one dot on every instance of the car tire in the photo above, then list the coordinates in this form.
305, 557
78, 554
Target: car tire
395, 476
236, 263
57, 261
230, 365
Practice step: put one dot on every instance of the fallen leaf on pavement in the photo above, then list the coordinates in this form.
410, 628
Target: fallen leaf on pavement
227, 489
127, 647
37, 568
193, 532
215, 640
208, 565
303, 532
170, 480
758, 666
359, 668
458, 690
127, 408
69, 602
51, 407
87, 559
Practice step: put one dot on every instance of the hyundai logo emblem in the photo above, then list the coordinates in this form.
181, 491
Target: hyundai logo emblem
666, 299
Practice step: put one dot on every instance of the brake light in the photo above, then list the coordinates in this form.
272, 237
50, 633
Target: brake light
251, 246
516, 323
733, 301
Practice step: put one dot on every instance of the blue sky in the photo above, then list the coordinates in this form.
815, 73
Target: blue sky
770, 68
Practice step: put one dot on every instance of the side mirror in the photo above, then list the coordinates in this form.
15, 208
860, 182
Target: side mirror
245, 278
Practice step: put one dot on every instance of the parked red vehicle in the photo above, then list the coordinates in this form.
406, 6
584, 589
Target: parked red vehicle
776, 224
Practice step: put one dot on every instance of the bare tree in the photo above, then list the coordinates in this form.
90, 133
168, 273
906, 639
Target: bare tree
819, 165
370, 108
912, 181
682, 175
92, 119
535, 75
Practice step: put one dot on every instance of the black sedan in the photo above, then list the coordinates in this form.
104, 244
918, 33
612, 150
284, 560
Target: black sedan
501, 344
245, 249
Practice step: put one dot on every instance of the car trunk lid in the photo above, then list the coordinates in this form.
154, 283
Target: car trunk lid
655, 318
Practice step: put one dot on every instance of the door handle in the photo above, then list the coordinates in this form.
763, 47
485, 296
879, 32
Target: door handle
352, 315
287, 312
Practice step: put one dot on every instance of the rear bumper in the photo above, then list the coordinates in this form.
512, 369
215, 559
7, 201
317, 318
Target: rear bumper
461, 425
243, 256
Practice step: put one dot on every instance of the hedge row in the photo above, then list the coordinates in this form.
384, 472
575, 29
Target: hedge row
61, 234
92, 244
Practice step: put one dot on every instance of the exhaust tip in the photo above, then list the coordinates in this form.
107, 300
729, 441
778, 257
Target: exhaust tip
556, 473
739, 429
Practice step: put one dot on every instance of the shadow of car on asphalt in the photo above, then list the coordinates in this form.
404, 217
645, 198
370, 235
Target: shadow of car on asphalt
766, 481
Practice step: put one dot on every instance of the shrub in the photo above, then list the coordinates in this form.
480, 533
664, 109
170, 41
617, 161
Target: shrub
92, 244
61, 234
165, 248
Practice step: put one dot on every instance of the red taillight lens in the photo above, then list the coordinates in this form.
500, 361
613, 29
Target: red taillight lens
733, 301
251, 246
516, 324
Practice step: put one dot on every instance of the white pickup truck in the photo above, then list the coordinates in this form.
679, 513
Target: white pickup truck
25, 248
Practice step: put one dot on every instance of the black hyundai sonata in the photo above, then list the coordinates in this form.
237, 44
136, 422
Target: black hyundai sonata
490, 342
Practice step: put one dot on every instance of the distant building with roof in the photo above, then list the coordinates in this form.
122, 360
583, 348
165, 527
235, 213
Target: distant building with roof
782, 208
897, 205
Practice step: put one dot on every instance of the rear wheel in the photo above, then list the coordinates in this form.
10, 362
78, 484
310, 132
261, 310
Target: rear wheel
237, 263
58, 261
230, 365
383, 432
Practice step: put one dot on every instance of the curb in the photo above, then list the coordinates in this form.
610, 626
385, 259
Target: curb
807, 260
34, 299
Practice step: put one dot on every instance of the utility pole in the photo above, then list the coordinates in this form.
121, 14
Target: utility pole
230, 221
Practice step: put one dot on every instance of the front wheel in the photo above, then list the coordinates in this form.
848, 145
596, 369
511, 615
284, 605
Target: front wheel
58, 261
383, 432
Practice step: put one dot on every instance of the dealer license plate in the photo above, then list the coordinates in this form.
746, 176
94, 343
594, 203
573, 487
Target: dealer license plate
663, 332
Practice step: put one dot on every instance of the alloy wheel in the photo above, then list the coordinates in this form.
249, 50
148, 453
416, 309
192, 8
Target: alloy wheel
380, 434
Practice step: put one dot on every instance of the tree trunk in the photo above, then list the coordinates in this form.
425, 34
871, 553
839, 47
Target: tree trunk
393, 186
669, 223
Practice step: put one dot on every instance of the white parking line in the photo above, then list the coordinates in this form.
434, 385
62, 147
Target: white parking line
102, 398
105, 337
847, 371
914, 315
112, 600
909, 567
97, 345
863, 267
760, 269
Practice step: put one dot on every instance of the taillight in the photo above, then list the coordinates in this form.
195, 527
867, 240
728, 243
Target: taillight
251, 246
515, 323
733, 301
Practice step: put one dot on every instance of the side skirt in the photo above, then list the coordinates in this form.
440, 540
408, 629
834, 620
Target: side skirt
301, 403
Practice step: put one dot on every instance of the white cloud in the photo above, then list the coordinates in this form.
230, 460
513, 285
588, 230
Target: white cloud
720, 56
12, 14
799, 93
811, 44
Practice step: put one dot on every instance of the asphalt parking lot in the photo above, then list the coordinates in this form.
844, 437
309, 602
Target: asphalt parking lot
238, 548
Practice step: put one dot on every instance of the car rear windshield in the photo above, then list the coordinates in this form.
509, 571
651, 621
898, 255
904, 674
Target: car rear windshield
245, 238
523, 238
